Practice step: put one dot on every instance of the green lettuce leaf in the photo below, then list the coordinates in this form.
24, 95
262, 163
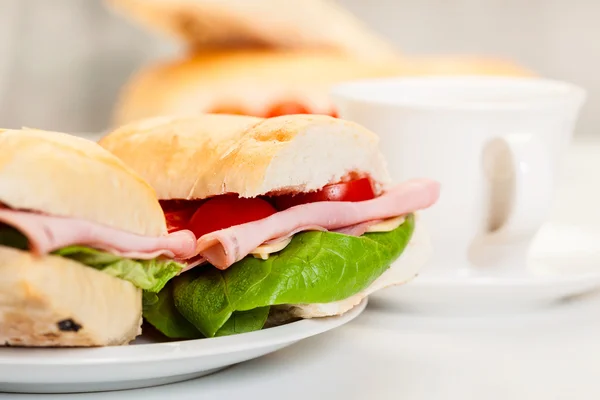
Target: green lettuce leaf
244, 321
316, 267
160, 312
149, 299
150, 275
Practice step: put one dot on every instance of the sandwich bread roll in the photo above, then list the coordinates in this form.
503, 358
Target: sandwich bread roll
50, 300
202, 158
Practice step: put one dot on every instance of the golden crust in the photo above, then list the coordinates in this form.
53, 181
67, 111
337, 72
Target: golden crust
64, 175
187, 157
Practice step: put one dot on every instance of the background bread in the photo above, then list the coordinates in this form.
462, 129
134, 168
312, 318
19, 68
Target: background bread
244, 81
64, 175
253, 81
189, 157
313, 24
54, 301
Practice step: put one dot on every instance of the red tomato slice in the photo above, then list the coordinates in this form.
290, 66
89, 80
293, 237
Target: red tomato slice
179, 212
293, 108
177, 220
228, 210
356, 190
286, 109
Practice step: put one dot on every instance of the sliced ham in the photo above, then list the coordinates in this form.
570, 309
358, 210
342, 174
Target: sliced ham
293, 232
356, 230
47, 234
227, 246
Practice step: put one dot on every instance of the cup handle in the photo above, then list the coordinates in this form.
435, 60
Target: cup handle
520, 174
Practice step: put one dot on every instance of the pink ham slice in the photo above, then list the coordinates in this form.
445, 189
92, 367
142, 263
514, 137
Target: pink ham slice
47, 234
358, 229
227, 246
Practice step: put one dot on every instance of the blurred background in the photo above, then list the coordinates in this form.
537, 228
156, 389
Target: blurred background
63, 62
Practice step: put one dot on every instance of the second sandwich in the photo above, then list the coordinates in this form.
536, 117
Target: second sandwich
294, 217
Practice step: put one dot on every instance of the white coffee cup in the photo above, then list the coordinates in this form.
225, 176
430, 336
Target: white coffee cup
493, 143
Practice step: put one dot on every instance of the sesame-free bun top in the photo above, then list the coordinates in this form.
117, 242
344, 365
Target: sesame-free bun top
198, 156
64, 175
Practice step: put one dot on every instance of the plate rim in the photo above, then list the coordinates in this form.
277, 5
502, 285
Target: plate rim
539, 281
176, 350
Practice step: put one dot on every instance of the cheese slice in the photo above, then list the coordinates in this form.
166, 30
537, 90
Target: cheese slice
387, 225
263, 251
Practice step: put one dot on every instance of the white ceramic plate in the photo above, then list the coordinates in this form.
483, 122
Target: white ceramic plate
146, 363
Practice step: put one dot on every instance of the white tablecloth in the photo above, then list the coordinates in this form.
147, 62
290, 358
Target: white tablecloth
550, 354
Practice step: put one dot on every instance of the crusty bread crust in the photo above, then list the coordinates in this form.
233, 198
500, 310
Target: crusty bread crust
191, 157
291, 24
64, 175
54, 301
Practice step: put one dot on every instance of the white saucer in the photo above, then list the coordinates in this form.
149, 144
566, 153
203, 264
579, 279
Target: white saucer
564, 262
147, 362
